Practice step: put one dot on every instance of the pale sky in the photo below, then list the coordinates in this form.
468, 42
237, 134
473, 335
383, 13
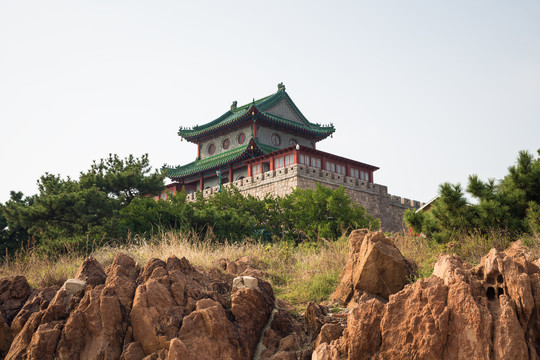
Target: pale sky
429, 91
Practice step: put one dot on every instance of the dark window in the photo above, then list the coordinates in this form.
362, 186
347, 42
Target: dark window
211, 149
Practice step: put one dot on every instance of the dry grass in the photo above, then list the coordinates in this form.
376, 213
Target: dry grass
470, 248
418, 250
41, 271
299, 274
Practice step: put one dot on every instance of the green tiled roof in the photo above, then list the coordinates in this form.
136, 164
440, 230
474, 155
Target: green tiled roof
243, 113
218, 160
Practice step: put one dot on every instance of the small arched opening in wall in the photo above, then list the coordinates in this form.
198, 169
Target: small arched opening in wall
276, 139
241, 138
240, 177
226, 143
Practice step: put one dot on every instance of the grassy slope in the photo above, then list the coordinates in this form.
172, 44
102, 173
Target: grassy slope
299, 274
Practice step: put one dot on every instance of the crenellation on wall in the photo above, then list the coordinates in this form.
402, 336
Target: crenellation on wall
373, 197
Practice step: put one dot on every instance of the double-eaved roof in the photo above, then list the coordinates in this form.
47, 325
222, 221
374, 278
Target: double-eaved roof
261, 111
252, 149
264, 111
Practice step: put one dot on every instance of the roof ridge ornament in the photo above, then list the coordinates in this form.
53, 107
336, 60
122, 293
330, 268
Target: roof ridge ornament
233, 106
280, 86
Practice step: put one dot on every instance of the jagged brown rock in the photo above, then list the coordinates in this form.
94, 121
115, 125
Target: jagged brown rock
91, 272
33, 344
171, 310
490, 311
373, 265
13, 294
244, 266
38, 300
167, 310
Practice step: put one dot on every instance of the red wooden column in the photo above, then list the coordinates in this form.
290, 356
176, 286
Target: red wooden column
198, 150
230, 173
272, 163
295, 156
249, 170
348, 170
202, 182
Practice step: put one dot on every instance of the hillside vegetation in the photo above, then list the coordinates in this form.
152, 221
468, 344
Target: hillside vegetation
112, 202
298, 242
510, 206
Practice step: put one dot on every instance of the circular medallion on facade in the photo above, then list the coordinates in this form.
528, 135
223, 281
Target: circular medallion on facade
293, 142
241, 138
276, 140
211, 149
226, 143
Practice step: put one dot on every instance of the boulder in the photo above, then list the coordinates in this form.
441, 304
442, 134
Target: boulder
244, 282
156, 315
490, 311
39, 336
315, 319
374, 265
91, 272
328, 333
251, 307
38, 300
5, 336
284, 324
98, 324
207, 333
13, 294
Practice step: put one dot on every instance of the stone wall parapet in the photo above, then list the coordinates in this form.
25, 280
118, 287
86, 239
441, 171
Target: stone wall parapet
280, 182
317, 175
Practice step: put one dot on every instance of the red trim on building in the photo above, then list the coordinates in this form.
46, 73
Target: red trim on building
321, 155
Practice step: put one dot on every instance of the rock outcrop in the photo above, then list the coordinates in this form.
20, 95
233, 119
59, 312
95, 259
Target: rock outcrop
166, 310
491, 311
171, 310
374, 265
13, 294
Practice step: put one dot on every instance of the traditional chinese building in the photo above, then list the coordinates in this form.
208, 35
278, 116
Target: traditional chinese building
268, 146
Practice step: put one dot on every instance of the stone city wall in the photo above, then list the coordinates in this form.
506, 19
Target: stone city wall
373, 197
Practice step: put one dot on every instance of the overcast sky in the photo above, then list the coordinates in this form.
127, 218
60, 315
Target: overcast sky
429, 91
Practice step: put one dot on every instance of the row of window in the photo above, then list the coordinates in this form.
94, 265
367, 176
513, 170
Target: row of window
310, 161
283, 161
313, 162
359, 174
333, 167
225, 144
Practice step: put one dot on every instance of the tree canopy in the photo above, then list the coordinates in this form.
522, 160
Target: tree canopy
109, 202
69, 208
511, 204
